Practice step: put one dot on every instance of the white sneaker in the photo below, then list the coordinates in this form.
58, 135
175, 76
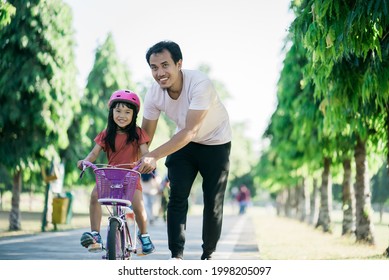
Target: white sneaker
177, 259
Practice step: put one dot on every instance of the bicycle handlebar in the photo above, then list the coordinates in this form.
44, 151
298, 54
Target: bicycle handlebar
87, 164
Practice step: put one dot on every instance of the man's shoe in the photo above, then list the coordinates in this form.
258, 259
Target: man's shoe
92, 241
205, 256
147, 245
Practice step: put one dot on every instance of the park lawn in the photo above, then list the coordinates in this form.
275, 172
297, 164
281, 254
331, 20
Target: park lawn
281, 238
31, 223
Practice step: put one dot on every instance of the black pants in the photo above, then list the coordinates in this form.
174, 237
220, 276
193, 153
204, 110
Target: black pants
212, 162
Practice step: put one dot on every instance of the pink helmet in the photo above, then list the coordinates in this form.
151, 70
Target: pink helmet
125, 95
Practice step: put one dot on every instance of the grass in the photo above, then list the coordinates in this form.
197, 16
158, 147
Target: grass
31, 223
281, 238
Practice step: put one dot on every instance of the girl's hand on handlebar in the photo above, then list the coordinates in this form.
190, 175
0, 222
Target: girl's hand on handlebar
80, 164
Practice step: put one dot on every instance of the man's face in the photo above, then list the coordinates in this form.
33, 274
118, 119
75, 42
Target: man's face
164, 71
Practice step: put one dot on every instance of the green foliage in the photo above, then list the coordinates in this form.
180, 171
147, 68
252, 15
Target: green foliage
107, 75
6, 12
356, 32
37, 83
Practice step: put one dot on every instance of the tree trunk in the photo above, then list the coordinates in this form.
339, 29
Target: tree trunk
382, 206
303, 206
1, 200
324, 220
348, 226
364, 224
289, 203
279, 202
387, 133
313, 215
387, 155
14, 215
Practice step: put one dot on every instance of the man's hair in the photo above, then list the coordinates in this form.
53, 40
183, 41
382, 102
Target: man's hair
170, 46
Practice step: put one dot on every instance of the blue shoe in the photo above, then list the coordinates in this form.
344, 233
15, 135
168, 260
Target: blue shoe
147, 245
92, 241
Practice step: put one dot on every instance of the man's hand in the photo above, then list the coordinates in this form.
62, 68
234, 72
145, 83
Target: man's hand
147, 164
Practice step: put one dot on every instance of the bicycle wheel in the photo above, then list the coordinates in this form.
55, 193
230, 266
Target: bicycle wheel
115, 241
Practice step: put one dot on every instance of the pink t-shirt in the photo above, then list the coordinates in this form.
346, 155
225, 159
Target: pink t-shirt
125, 153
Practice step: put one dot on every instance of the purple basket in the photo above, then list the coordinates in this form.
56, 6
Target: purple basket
116, 185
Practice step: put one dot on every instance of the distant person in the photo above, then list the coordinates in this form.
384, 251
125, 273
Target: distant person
150, 188
201, 144
243, 197
165, 193
122, 141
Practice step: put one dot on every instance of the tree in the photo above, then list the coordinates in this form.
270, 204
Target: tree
37, 89
352, 36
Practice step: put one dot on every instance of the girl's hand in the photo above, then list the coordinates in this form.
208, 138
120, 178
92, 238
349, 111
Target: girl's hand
79, 164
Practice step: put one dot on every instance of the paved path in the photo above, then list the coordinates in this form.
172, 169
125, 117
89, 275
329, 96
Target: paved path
238, 242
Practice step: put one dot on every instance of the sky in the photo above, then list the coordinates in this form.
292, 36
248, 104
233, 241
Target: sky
241, 41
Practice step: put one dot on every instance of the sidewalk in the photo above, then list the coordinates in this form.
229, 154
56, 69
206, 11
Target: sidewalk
237, 243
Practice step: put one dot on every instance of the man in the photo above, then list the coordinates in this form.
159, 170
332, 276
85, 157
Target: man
201, 144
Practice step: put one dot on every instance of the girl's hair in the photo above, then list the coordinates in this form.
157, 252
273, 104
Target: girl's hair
130, 130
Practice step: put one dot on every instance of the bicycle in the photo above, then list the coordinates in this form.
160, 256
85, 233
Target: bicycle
116, 187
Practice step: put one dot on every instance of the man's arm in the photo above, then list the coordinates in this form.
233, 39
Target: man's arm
194, 120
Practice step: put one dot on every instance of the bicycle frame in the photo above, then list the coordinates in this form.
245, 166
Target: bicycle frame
116, 187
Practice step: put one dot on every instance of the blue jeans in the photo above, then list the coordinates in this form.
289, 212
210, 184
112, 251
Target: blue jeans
212, 162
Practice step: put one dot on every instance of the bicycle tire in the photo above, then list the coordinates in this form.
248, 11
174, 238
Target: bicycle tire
115, 241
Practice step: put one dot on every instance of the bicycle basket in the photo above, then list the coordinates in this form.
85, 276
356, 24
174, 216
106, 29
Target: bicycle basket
116, 185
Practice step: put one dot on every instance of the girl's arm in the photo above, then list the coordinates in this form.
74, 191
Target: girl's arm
149, 126
92, 156
144, 149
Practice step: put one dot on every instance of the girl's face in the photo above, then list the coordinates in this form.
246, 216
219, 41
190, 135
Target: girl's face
122, 115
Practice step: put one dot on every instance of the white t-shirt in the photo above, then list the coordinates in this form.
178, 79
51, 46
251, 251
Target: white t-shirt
198, 93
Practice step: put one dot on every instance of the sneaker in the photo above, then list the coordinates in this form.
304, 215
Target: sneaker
147, 245
205, 256
92, 241
175, 259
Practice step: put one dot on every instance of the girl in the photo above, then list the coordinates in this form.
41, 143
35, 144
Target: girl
123, 142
